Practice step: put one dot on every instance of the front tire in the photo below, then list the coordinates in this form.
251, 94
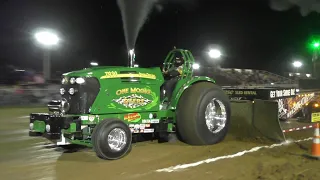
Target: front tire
111, 139
203, 114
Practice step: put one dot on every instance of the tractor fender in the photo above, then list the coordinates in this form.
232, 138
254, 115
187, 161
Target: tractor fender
181, 87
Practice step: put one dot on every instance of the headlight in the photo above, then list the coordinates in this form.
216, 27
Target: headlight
62, 91
31, 126
80, 80
64, 106
48, 128
64, 80
72, 80
71, 91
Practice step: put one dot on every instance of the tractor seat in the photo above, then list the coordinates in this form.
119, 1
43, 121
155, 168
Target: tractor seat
167, 88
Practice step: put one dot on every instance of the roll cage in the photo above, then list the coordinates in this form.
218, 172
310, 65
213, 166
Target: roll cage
188, 62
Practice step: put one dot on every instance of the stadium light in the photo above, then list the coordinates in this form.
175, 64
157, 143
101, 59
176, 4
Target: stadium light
214, 53
94, 64
47, 38
195, 66
297, 64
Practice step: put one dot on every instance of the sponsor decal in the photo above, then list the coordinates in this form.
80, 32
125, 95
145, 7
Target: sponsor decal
146, 121
132, 101
84, 118
136, 128
315, 117
132, 117
133, 91
148, 130
114, 74
154, 121
140, 128
151, 121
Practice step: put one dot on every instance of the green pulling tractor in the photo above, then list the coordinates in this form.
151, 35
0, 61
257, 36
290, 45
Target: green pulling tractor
105, 107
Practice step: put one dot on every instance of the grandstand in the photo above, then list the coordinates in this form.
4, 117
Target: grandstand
247, 78
297, 76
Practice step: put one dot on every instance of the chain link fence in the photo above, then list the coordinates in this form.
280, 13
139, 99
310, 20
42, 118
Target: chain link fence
29, 94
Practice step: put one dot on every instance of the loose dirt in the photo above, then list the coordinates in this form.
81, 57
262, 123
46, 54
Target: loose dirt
23, 158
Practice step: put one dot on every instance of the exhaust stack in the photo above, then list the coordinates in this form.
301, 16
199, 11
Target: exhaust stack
131, 56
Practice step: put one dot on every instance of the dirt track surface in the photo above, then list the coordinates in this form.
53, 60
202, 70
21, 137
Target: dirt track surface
32, 158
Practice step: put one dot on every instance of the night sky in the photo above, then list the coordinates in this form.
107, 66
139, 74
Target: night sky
250, 33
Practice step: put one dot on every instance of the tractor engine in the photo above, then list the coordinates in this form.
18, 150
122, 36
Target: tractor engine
77, 96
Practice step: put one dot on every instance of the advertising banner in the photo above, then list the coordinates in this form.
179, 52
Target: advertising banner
263, 94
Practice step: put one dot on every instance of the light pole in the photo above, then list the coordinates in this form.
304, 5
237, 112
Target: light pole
47, 39
297, 65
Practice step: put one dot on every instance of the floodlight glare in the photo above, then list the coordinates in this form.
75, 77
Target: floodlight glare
297, 64
195, 66
47, 38
214, 53
94, 64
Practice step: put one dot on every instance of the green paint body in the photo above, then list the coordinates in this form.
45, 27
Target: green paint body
148, 88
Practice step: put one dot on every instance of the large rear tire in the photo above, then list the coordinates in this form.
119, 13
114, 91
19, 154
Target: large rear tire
203, 114
111, 139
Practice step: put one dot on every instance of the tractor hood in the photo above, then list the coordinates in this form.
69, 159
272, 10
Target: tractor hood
117, 72
89, 90
88, 71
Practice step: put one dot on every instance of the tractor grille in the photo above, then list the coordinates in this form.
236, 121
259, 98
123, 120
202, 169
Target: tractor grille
84, 96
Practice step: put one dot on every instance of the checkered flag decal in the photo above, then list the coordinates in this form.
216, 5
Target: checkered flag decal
131, 104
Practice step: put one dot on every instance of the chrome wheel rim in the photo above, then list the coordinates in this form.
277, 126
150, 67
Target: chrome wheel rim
216, 116
117, 139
